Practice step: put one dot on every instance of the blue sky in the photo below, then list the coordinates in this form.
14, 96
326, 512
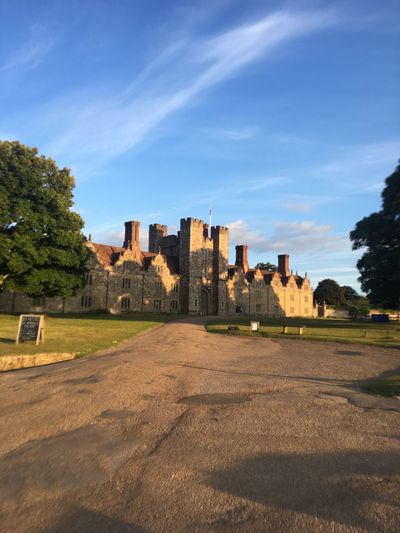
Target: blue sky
284, 115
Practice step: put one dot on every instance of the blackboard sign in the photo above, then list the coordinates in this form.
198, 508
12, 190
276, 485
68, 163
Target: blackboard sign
31, 328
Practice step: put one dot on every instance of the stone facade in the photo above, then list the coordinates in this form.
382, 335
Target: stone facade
183, 273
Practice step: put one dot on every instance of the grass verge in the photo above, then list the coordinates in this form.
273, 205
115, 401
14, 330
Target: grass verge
78, 334
348, 331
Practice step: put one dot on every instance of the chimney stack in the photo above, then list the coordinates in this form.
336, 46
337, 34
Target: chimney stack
283, 265
132, 236
242, 260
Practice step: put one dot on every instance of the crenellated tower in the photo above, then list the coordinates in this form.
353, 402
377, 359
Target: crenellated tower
156, 234
191, 263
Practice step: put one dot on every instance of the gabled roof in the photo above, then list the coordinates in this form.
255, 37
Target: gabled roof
108, 255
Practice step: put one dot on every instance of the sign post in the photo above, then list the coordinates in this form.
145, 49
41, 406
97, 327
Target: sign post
30, 328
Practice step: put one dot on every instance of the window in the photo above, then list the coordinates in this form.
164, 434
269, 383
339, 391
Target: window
174, 287
157, 305
173, 305
306, 299
125, 303
86, 301
159, 269
195, 302
292, 297
158, 285
258, 308
126, 283
89, 279
291, 285
292, 309
222, 305
306, 310
38, 301
258, 295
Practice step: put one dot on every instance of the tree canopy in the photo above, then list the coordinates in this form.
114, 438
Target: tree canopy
379, 234
330, 292
42, 249
270, 267
349, 293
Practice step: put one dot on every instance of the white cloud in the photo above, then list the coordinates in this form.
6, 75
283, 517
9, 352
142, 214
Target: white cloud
105, 128
299, 207
305, 237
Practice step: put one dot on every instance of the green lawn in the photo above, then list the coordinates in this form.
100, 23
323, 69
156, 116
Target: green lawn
385, 387
79, 334
350, 331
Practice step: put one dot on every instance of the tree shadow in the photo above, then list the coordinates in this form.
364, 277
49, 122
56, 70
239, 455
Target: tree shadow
79, 519
343, 487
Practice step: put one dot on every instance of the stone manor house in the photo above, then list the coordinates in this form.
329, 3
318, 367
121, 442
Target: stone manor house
184, 273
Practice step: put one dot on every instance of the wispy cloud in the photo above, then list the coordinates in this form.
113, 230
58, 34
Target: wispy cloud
106, 128
360, 162
31, 53
229, 134
237, 188
304, 237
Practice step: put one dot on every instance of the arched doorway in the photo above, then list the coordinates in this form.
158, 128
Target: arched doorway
205, 301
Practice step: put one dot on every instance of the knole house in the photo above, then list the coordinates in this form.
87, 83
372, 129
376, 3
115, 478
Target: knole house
183, 273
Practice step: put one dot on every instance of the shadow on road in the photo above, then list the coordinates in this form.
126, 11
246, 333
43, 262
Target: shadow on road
343, 487
80, 520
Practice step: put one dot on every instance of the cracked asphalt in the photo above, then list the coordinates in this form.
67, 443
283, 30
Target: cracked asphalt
181, 430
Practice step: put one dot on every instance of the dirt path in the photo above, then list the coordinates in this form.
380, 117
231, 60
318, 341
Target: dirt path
181, 430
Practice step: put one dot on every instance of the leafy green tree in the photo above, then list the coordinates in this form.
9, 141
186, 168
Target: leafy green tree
42, 249
379, 234
270, 267
330, 292
349, 292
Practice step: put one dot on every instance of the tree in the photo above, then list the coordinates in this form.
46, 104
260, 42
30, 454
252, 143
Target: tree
330, 292
42, 249
349, 293
379, 233
269, 267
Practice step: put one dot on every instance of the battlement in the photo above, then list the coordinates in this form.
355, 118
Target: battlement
160, 227
219, 230
192, 221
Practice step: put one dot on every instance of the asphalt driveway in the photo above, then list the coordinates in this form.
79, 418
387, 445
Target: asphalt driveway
181, 430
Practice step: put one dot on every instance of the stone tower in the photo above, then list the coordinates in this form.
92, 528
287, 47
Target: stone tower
220, 238
156, 234
191, 264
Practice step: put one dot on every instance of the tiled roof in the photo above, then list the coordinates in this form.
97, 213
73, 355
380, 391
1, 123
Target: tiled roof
108, 255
